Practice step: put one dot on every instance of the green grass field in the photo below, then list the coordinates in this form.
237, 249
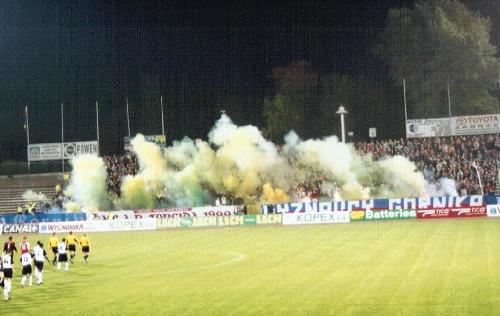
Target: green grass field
441, 267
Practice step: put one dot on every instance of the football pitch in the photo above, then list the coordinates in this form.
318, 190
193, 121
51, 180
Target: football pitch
436, 267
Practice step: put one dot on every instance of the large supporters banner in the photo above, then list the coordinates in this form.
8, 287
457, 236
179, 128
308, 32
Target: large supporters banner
315, 218
99, 226
218, 221
441, 202
226, 210
382, 215
13, 218
95, 216
20, 228
493, 210
454, 126
58, 151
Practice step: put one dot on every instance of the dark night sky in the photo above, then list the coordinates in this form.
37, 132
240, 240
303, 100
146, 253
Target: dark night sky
201, 56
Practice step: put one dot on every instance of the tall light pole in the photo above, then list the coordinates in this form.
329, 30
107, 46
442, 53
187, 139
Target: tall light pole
342, 112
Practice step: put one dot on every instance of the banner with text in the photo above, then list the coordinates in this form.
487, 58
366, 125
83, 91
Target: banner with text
219, 221
316, 218
382, 215
476, 124
436, 127
383, 204
226, 210
20, 228
58, 151
454, 126
99, 226
71, 150
451, 212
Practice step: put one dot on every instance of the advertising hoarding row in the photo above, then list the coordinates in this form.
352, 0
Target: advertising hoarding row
58, 151
453, 126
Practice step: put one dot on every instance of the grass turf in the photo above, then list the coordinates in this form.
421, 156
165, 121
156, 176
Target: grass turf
441, 267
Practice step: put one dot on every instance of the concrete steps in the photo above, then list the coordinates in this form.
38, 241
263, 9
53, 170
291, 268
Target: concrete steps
13, 188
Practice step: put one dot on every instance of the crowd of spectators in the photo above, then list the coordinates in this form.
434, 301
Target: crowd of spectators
118, 167
460, 158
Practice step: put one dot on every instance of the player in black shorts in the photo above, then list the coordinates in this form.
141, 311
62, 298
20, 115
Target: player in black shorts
62, 255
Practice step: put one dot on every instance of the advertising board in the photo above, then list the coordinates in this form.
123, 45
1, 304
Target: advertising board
451, 212
493, 210
454, 126
218, 221
99, 226
71, 150
31, 228
316, 218
40, 152
436, 127
475, 124
58, 151
383, 215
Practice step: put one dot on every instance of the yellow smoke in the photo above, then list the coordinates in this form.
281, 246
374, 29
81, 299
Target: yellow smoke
87, 185
270, 195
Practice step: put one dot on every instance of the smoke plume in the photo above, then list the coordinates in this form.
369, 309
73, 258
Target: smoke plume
239, 163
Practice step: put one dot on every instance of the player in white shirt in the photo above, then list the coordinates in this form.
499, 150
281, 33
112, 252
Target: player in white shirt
6, 264
40, 254
26, 262
62, 256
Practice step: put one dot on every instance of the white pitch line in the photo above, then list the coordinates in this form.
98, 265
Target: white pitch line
238, 255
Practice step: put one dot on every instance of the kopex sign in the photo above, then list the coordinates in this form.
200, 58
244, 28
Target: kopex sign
315, 218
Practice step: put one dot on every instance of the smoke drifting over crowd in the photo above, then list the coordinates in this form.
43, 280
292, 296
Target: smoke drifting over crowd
239, 163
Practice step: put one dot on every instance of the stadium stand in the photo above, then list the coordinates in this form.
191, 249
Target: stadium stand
456, 158
12, 188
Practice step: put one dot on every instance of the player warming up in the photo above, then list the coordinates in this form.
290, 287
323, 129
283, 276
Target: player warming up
85, 243
6, 264
40, 254
72, 242
62, 256
26, 261
53, 243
